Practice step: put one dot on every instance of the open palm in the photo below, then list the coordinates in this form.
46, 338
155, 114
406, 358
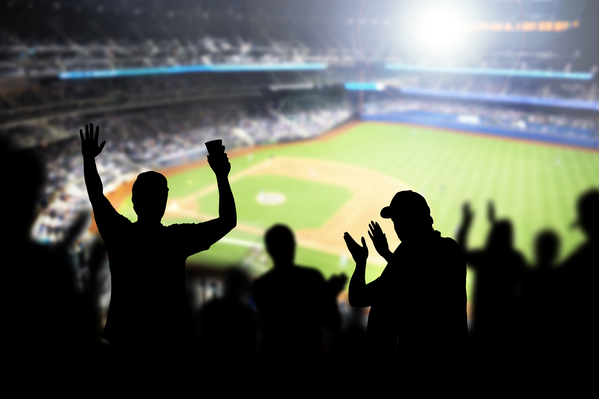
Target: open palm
379, 239
358, 252
89, 142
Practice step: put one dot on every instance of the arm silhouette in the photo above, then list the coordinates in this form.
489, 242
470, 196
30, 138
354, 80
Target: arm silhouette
227, 212
464, 229
379, 240
473, 258
491, 212
359, 295
90, 150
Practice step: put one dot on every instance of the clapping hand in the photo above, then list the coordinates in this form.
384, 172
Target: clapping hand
359, 253
379, 240
89, 143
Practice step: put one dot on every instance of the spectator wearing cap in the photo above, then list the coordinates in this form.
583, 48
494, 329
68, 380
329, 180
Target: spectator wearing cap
147, 326
417, 320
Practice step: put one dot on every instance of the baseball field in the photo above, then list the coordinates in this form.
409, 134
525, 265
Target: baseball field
339, 182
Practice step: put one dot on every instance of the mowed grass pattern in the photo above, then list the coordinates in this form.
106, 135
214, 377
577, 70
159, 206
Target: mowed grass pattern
307, 205
534, 185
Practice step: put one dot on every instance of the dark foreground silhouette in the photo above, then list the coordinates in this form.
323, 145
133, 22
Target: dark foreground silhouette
227, 327
499, 269
533, 325
538, 305
148, 328
295, 304
578, 296
49, 333
417, 322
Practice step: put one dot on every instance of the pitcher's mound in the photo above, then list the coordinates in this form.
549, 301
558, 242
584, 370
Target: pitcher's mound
271, 198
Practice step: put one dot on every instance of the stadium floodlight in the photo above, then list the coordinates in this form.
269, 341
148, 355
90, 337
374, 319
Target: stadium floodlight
440, 28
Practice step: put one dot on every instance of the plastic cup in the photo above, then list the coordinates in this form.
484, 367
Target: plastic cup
215, 147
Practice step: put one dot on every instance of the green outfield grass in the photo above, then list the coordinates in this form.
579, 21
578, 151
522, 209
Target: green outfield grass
308, 205
534, 185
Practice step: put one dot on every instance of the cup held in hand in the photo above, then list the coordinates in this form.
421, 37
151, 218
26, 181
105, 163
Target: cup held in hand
215, 147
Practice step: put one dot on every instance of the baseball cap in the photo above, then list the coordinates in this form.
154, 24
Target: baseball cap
406, 202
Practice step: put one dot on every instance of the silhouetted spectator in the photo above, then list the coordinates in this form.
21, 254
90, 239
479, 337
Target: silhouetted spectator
294, 304
229, 326
43, 334
499, 272
349, 346
148, 326
538, 306
417, 319
579, 299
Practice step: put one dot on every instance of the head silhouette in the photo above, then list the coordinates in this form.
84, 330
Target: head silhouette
410, 214
501, 236
280, 244
546, 248
25, 187
588, 214
150, 193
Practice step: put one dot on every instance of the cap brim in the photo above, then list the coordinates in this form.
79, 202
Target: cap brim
386, 212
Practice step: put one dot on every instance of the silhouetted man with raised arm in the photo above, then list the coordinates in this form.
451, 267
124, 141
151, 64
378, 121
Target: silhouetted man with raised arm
417, 319
147, 323
499, 269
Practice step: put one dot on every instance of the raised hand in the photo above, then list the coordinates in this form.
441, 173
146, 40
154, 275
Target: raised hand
379, 239
220, 164
467, 213
491, 212
89, 143
359, 253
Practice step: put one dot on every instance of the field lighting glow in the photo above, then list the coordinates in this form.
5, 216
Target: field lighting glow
440, 28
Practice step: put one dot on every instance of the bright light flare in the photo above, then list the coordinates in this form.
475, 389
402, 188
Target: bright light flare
441, 29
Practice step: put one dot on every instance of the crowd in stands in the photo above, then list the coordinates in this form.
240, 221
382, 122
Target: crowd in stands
58, 97
556, 122
163, 137
513, 86
169, 37
39, 59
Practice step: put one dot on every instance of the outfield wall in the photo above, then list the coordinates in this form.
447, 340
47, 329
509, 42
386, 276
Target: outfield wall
444, 121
